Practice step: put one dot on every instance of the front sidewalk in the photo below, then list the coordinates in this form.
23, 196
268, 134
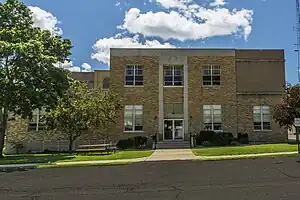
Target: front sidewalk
158, 155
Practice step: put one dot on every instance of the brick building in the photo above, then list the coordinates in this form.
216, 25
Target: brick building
173, 92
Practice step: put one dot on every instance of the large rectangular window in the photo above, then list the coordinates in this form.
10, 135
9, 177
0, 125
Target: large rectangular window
134, 75
173, 75
262, 118
212, 116
133, 118
37, 121
211, 75
173, 111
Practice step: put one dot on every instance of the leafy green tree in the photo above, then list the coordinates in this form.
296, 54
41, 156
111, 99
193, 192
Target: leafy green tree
28, 76
81, 112
69, 118
103, 108
289, 108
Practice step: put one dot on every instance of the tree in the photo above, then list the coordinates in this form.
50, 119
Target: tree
104, 109
289, 108
82, 111
28, 76
69, 119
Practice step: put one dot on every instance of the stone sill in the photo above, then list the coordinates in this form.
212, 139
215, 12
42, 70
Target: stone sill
262, 130
133, 131
173, 86
132, 86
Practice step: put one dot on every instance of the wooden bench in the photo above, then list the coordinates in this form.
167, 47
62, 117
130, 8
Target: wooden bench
107, 148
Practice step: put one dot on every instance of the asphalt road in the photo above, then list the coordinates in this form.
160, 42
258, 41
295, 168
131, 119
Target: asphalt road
266, 179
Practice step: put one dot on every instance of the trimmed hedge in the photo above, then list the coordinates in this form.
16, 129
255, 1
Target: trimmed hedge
131, 143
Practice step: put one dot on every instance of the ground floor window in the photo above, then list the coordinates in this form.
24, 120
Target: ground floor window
37, 121
133, 118
212, 116
262, 117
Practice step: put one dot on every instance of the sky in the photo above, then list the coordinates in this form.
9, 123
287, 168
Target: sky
94, 26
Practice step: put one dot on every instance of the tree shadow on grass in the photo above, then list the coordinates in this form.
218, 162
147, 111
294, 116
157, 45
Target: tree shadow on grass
34, 158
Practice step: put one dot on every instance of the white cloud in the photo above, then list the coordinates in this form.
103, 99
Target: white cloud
117, 4
45, 20
69, 66
102, 46
188, 21
218, 3
182, 4
86, 67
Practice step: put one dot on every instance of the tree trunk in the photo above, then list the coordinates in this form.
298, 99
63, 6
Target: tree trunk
71, 141
3, 126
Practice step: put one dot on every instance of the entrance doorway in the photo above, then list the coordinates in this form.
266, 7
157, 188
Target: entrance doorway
173, 129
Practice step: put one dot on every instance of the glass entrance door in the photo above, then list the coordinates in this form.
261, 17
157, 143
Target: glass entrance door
173, 129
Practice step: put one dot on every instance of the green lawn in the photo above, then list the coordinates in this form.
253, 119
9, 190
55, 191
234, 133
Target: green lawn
249, 149
45, 158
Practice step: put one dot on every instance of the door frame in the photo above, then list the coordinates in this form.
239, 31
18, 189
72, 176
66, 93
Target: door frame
173, 132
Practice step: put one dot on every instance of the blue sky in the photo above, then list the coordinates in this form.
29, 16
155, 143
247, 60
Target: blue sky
164, 23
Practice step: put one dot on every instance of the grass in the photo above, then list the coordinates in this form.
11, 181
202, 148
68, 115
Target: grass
242, 150
51, 158
248, 157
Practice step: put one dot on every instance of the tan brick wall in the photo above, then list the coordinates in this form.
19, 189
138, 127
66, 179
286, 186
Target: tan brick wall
173, 95
245, 118
224, 95
146, 95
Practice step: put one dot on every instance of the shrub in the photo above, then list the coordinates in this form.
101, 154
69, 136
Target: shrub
140, 141
204, 136
125, 144
243, 138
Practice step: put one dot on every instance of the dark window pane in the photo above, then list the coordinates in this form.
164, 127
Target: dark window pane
206, 82
257, 126
129, 83
139, 72
178, 83
168, 78
206, 72
129, 78
216, 83
168, 83
177, 78
217, 126
138, 128
129, 72
138, 78
139, 82
216, 78
216, 72
266, 126
207, 78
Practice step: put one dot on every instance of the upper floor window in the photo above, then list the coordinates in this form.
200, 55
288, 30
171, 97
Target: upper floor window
37, 121
133, 118
134, 75
211, 75
173, 75
212, 116
262, 118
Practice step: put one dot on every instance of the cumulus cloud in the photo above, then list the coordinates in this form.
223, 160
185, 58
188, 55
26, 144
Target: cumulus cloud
68, 65
102, 46
218, 3
188, 21
45, 20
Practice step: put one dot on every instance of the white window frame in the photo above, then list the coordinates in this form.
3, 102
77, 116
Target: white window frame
37, 114
211, 68
212, 108
134, 75
261, 108
134, 118
173, 75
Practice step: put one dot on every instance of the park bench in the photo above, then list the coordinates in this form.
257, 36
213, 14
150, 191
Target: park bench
101, 148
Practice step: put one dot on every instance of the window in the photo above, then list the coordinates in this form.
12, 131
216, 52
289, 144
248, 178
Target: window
37, 122
262, 118
211, 75
173, 75
105, 83
212, 116
173, 111
134, 75
133, 118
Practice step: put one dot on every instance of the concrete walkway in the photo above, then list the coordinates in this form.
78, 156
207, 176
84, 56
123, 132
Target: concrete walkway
172, 154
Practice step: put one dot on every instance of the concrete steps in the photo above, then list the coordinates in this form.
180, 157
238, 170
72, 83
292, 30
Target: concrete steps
176, 144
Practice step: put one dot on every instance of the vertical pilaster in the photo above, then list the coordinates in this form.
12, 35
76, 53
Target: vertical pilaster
185, 100
161, 101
